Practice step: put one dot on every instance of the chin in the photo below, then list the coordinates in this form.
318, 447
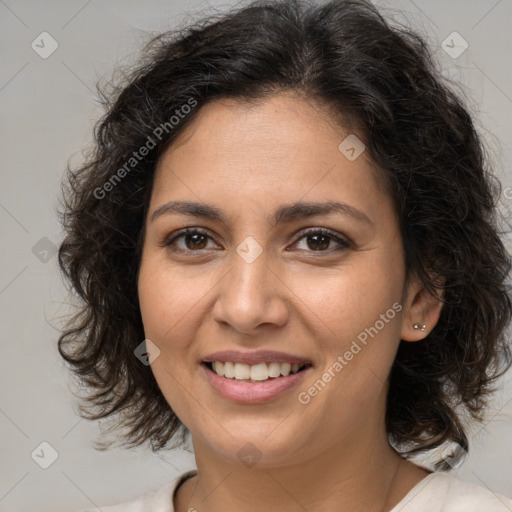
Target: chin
260, 444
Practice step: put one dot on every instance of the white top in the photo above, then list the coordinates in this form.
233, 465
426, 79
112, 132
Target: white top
438, 492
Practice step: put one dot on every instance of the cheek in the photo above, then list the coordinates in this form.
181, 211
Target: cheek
169, 300
346, 301
166, 306
355, 315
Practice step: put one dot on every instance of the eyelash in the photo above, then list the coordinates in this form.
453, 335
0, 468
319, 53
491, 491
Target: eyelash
345, 243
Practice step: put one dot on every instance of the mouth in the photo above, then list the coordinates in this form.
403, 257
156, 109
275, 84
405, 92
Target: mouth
255, 377
254, 373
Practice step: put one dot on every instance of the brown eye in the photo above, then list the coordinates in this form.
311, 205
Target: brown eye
193, 240
319, 240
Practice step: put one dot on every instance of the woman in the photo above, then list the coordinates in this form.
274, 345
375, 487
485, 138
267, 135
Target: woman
286, 245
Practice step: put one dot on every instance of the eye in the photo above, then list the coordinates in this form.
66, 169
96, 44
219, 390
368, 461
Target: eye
194, 239
321, 238
317, 240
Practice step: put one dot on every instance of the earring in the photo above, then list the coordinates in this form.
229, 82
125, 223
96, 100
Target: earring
421, 327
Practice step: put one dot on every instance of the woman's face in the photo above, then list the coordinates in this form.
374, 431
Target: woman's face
258, 277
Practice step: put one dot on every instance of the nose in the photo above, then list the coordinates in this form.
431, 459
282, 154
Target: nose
251, 295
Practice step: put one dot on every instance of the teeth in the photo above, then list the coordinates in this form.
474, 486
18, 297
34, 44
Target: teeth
218, 368
242, 371
274, 370
257, 372
229, 369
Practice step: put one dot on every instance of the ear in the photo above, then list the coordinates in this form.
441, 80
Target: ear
421, 309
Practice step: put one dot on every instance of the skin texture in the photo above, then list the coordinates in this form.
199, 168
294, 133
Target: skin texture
333, 453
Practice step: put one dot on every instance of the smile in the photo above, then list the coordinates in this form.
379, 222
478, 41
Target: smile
256, 372
237, 384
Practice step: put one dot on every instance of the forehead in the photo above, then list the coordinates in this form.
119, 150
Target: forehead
281, 149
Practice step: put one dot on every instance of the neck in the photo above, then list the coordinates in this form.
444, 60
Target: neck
368, 476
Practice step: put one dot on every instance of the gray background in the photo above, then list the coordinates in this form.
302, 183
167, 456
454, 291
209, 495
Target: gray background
48, 110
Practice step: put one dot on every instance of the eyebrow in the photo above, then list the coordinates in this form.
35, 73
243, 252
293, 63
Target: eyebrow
285, 213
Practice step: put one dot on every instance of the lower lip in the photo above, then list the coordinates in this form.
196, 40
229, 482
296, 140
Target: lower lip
252, 393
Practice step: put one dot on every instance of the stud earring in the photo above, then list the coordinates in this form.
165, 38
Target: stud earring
421, 327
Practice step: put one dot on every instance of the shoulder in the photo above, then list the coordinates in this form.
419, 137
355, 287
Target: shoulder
159, 500
472, 497
442, 492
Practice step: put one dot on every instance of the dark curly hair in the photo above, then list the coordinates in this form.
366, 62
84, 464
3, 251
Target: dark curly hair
371, 75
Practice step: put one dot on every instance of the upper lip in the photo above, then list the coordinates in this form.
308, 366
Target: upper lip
259, 356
